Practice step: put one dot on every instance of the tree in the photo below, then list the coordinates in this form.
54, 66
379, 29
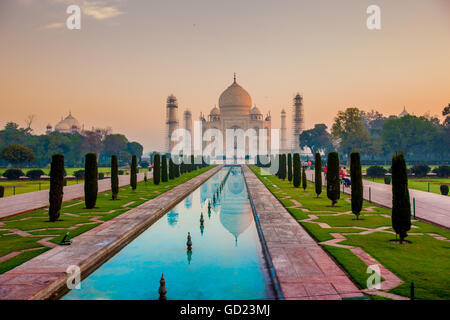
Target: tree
401, 206
357, 184
114, 143
282, 166
90, 180
133, 175
114, 177
296, 180
164, 177
17, 154
56, 187
318, 174
136, 149
304, 180
446, 114
171, 169
289, 167
317, 139
156, 169
349, 130
333, 182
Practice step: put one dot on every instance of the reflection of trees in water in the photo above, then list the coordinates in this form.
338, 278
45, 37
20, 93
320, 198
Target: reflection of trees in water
172, 218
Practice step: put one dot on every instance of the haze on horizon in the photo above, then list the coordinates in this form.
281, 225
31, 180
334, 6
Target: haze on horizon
130, 55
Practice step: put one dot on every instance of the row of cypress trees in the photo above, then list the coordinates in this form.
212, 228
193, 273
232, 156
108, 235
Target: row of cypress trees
165, 170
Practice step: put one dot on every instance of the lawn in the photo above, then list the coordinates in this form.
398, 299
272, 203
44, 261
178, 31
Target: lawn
425, 260
21, 233
421, 183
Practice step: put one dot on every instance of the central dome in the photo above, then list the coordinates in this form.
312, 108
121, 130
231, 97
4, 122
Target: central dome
235, 99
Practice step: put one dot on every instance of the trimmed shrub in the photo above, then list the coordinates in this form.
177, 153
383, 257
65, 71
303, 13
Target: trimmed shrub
2, 191
65, 182
157, 169
101, 175
171, 169
164, 177
289, 167
133, 175
387, 180
56, 187
333, 181
296, 164
442, 171
318, 174
114, 177
401, 206
375, 171
79, 174
304, 181
121, 172
357, 184
35, 173
444, 190
13, 174
420, 170
90, 180
145, 177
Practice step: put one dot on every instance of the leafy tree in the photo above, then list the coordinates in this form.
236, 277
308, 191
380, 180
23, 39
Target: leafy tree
401, 206
304, 180
114, 177
349, 130
35, 174
56, 187
357, 184
144, 164
333, 181
136, 149
13, 174
317, 139
442, 171
17, 154
114, 143
297, 173
90, 180
420, 170
318, 174
446, 114
289, 167
376, 171
133, 175
156, 169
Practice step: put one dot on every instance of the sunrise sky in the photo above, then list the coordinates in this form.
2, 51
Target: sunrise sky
130, 54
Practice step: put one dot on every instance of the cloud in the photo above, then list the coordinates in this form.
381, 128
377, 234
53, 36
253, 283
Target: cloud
57, 25
101, 12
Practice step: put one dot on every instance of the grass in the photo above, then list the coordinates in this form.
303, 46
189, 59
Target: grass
75, 219
425, 260
420, 183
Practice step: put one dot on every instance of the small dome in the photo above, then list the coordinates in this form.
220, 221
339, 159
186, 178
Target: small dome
255, 110
215, 111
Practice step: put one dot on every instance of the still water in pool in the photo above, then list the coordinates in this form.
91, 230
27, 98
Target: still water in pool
226, 261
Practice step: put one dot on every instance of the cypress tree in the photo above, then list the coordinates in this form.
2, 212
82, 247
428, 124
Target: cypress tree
171, 169
289, 167
156, 169
333, 182
176, 169
114, 177
296, 178
401, 206
357, 184
192, 163
318, 174
304, 181
90, 180
133, 175
164, 177
56, 186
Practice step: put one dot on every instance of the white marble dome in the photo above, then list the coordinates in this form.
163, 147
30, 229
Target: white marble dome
235, 99
68, 124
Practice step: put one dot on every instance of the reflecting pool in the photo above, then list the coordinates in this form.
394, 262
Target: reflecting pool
226, 261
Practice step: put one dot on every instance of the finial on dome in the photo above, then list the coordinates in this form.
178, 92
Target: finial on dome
235, 77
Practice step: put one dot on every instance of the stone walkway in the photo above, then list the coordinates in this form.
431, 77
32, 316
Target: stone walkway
21, 203
430, 207
41, 277
303, 268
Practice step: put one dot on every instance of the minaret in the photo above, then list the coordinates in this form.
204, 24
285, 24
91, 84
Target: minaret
283, 140
188, 127
297, 122
171, 120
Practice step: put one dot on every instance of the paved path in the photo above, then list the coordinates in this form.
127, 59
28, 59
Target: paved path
13, 205
431, 207
303, 268
42, 276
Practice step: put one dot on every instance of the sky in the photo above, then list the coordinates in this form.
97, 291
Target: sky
129, 55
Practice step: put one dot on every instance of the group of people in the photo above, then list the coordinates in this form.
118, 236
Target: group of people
342, 174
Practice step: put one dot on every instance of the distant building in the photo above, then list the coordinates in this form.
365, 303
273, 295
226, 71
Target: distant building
70, 125
403, 113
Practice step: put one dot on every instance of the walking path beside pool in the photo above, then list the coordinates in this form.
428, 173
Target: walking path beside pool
303, 268
21, 203
431, 207
44, 277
